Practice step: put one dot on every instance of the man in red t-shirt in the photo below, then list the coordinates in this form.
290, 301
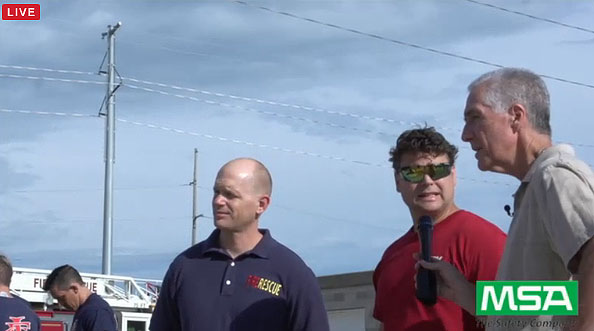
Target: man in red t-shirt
423, 162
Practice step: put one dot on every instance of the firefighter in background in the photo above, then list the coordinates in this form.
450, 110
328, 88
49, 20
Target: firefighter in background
92, 312
15, 313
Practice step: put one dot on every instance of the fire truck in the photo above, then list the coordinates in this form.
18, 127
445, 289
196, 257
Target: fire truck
132, 300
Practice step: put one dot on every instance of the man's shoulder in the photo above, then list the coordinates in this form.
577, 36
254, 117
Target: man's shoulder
95, 302
193, 252
564, 170
561, 160
23, 301
97, 312
465, 215
471, 222
399, 243
280, 253
285, 261
397, 253
473, 237
16, 304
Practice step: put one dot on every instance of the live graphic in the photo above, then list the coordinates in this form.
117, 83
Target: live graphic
20, 12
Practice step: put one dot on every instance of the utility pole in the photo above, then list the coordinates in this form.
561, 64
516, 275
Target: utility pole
194, 183
109, 150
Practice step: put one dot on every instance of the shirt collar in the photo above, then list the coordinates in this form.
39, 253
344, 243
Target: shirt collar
545, 155
262, 248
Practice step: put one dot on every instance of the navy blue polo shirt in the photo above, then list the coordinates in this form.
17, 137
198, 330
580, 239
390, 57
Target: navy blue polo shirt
94, 314
15, 314
266, 289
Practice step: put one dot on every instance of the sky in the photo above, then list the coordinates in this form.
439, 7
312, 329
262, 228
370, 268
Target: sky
319, 106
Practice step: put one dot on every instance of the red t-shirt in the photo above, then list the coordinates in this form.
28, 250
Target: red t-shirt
469, 242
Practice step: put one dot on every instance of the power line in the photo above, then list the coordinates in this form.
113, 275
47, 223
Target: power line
575, 27
230, 96
252, 144
402, 43
243, 98
20, 111
207, 136
48, 70
90, 220
85, 189
251, 109
247, 143
31, 112
227, 105
212, 102
273, 103
54, 79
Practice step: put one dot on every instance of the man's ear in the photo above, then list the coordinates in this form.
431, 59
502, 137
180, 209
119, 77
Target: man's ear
75, 287
454, 174
519, 116
397, 180
263, 203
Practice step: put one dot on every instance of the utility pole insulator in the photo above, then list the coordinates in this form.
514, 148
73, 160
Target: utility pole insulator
195, 214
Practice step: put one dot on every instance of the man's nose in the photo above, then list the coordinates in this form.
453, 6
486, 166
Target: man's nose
427, 179
466, 134
218, 199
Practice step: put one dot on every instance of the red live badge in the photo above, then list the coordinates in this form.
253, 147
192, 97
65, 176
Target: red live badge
20, 12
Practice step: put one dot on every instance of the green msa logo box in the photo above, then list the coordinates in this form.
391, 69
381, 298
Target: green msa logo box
501, 298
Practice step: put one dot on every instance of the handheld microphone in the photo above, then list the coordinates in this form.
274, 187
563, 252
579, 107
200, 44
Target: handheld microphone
426, 281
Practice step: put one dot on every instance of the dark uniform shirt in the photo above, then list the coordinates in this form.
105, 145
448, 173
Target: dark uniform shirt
94, 315
15, 314
266, 289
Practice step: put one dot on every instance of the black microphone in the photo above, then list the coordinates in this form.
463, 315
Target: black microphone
507, 209
426, 282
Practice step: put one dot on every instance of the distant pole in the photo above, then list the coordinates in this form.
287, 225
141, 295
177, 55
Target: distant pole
195, 214
109, 151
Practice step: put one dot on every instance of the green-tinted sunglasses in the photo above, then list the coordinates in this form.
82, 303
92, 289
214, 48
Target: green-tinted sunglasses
417, 174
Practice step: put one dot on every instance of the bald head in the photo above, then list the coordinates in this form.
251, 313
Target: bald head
251, 171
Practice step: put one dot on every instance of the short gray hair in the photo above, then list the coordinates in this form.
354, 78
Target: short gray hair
508, 86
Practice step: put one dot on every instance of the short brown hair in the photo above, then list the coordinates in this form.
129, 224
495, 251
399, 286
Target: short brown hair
5, 270
423, 140
62, 277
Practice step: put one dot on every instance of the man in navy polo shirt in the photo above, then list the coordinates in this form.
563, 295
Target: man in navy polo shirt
92, 313
240, 278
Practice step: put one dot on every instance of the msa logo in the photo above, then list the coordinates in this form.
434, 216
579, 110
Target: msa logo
527, 298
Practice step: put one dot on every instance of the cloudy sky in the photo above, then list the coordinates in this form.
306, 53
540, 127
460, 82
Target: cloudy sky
320, 106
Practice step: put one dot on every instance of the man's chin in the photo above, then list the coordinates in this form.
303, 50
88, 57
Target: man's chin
219, 223
223, 224
489, 166
428, 209
483, 165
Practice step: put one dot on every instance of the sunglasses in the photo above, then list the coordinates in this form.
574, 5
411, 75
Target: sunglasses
416, 174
